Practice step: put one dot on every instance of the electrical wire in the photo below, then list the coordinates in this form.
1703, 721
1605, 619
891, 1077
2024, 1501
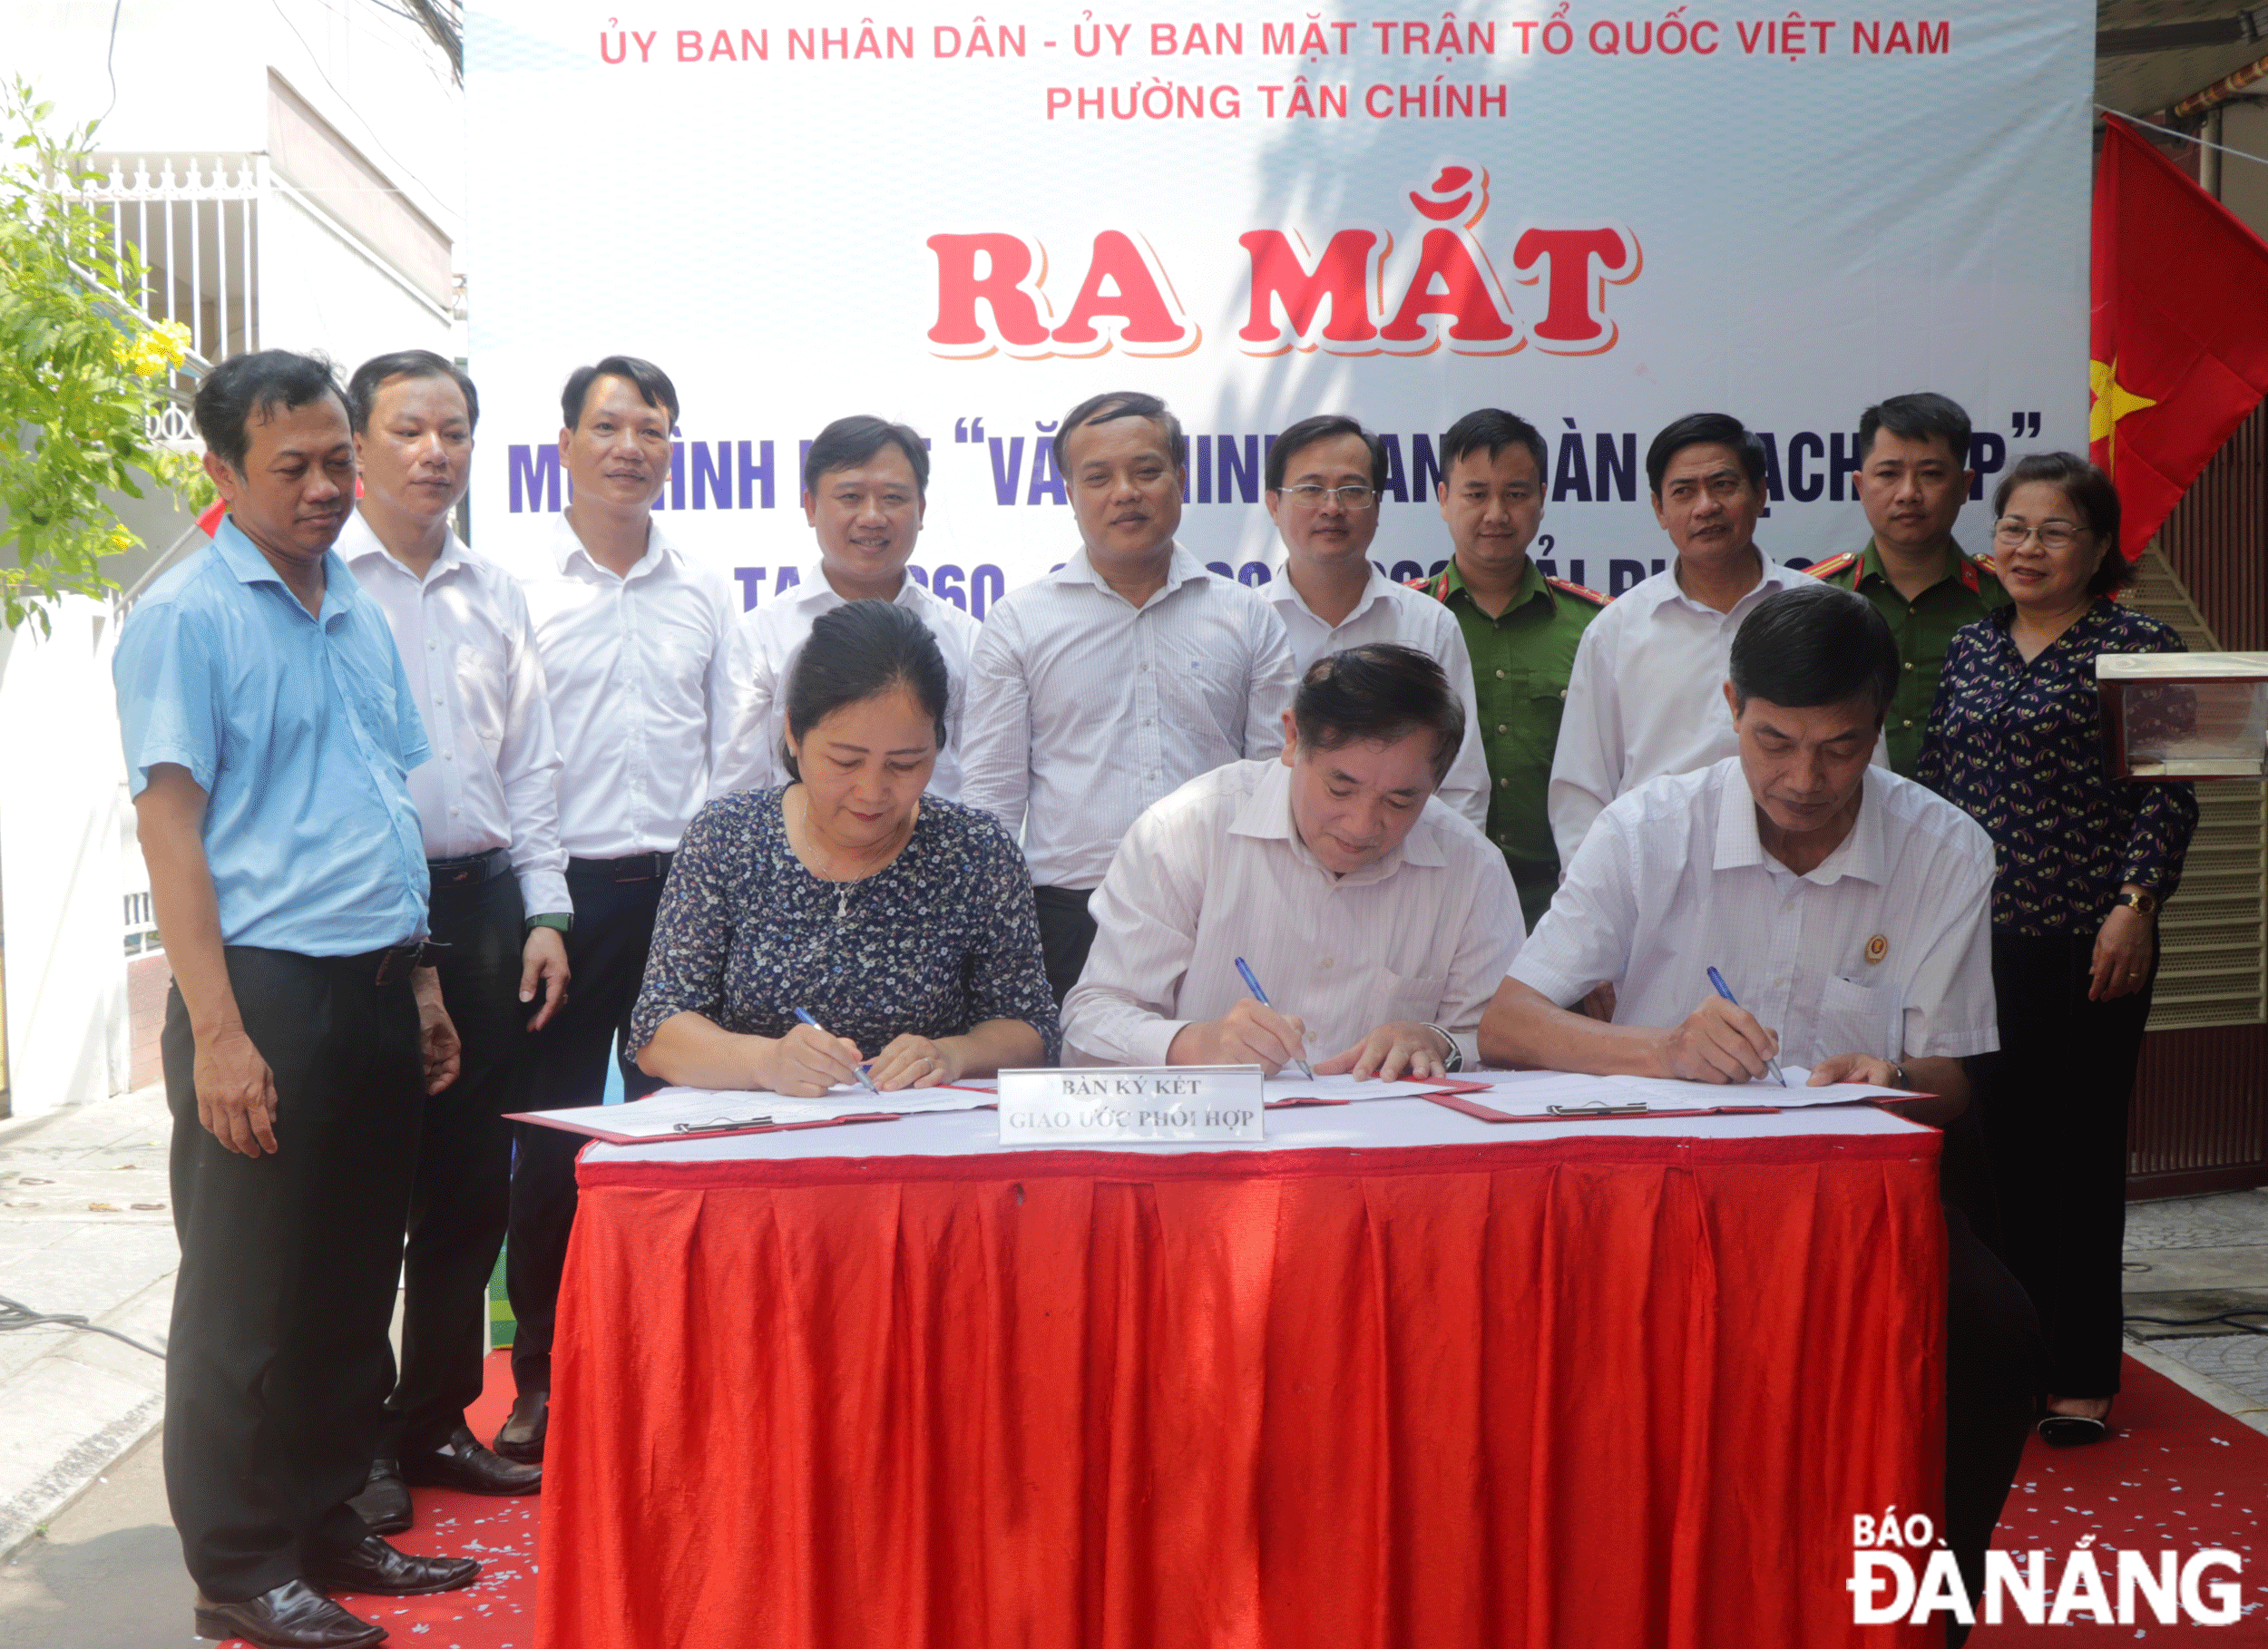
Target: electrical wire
16, 1314
2186, 137
110, 59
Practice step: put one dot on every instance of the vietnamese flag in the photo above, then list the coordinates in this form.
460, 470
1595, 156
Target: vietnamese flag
2178, 353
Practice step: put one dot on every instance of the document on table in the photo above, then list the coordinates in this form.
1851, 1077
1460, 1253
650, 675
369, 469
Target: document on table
1537, 1093
1291, 1085
675, 1112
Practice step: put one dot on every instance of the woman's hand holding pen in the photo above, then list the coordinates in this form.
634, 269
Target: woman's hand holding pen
805, 1062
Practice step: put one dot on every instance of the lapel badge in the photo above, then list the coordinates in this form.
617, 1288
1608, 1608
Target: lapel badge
1877, 947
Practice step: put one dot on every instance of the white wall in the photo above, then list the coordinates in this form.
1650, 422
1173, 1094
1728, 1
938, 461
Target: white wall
321, 290
61, 866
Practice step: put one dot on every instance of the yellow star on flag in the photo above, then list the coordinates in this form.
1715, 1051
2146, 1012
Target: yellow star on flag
2112, 401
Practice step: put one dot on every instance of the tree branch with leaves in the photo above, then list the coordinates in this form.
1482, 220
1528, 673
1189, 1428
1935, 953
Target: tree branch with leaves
82, 370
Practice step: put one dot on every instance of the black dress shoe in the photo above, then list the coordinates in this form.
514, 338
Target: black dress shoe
383, 1502
288, 1617
462, 1464
522, 1436
376, 1569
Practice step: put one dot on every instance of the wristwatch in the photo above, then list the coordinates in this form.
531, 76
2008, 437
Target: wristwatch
1898, 1078
2146, 903
562, 921
1453, 1060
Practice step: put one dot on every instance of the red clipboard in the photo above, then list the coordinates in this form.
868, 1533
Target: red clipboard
1444, 1086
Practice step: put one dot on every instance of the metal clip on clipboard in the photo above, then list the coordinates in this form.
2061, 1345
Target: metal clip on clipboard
1600, 1107
720, 1124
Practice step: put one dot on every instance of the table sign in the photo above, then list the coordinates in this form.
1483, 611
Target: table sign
1130, 1105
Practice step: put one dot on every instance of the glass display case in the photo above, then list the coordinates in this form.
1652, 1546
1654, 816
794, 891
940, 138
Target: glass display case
2184, 716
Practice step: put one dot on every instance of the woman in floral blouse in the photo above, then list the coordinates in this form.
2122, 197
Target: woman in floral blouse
904, 924
2085, 860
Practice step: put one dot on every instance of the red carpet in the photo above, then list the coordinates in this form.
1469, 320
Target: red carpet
2181, 1476
498, 1612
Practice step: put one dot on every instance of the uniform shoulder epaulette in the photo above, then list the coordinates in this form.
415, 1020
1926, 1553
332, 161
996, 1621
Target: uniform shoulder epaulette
1985, 563
1581, 591
1835, 566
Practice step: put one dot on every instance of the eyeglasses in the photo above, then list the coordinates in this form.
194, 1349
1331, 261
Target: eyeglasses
2054, 535
1312, 497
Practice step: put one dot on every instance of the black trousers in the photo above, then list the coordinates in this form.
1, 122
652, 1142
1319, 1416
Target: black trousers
459, 1199
606, 954
2055, 1125
1066, 934
278, 1363
1993, 1362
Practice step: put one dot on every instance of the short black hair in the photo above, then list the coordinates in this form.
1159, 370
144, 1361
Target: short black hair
1491, 429
1704, 429
1378, 693
858, 651
848, 442
1921, 416
1323, 427
1813, 645
362, 389
2091, 493
258, 383
652, 383
1114, 405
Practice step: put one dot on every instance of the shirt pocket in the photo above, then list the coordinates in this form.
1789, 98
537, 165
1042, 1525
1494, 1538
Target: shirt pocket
482, 696
1202, 694
1410, 996
1856, 1018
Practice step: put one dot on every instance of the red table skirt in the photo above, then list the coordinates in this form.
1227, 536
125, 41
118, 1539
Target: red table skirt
1595, 1392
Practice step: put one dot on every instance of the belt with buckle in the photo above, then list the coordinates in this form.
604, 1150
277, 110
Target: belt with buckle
637, 867
470, 871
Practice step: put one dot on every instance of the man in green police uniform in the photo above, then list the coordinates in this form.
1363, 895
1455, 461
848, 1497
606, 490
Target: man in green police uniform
1913, 478
1519, 627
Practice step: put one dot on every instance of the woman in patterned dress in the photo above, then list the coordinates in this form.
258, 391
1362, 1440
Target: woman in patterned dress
904, 924
2085, 860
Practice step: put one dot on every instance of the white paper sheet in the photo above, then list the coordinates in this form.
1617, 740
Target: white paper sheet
1293, 1085
1534, 1093
676, 1111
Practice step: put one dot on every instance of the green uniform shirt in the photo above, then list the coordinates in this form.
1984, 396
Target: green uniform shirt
1923, 626
1520, 663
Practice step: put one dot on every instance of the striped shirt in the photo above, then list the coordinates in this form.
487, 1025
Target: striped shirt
1084, 710
1217, 871
1389, 612
1884, 949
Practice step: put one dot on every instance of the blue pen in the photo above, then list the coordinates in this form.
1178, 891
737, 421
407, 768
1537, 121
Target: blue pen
1725, 992
859, 1071
1261, 996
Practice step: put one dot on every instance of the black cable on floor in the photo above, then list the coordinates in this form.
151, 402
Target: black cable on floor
16, 1314
2227, 1319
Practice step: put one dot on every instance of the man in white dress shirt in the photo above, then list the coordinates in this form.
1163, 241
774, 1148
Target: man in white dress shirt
1642, 698
865, 488
1378, 919
1848, 910
1116, 679
636, 648
490, 812
1324, 475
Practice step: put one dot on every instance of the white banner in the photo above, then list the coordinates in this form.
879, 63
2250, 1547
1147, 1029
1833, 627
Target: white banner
1599, 216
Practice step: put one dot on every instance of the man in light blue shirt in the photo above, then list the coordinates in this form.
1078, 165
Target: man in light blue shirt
269, 732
